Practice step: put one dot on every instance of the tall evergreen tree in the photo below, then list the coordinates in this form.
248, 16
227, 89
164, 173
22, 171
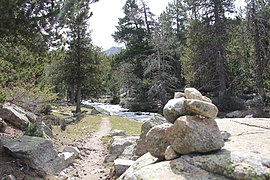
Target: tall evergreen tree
79, 60
133, 30
258, 17
208, 32
164, 67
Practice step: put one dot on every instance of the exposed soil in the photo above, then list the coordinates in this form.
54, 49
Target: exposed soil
89, 166
92, 166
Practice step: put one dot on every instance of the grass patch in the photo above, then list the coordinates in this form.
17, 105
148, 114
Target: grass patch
59, 115
131, 127
71, 108
78, 130
68, 109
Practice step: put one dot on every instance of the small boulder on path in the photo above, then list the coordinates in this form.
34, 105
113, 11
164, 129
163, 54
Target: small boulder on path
117, 146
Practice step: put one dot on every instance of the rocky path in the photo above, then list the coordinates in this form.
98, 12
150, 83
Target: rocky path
92, 166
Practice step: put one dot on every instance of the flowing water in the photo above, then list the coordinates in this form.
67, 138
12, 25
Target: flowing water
118, 110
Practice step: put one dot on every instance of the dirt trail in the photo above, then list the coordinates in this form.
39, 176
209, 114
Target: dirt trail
92, 166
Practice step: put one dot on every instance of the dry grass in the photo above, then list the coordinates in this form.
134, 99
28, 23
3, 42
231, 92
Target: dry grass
131, 127
81, 129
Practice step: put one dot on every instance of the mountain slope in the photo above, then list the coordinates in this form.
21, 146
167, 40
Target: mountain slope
112, 51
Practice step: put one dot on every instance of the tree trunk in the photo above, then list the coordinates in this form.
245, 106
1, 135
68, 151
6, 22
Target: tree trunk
145, 17
72, 94
78, 95
220, 59
258, 59
258, 55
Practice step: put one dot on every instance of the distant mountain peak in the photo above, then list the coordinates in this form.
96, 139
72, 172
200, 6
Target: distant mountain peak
112, 51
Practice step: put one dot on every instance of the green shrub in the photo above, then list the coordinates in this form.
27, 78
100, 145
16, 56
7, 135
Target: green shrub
33, 130
2, 97
45, 108
31, 97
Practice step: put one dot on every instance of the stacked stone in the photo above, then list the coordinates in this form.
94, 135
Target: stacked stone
190, 128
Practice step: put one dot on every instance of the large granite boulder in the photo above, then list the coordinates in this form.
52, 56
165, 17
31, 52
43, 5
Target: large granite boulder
99, 110
141, 147
193, 134
15, 115
244, 156
192, 93
117, 146
143, 161
45, 130
68, 155
170, 153
235, 114
156, 140
37, 153
121, 165
174, 109
146, 167
191, 102
202, 108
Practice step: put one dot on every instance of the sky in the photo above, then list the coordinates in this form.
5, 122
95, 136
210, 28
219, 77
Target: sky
106, 14
105, 18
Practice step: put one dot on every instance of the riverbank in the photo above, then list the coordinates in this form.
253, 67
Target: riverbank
119, 111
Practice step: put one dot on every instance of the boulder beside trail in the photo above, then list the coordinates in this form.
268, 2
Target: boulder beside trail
35, 152
193, 134
118, 144
244, 156
117, 132
38, 154
15, 115
121, 165
99, 110
141, 147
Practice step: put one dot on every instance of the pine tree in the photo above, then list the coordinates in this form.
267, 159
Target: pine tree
206, 50
79, 60
164, 66
133, 30
258, 16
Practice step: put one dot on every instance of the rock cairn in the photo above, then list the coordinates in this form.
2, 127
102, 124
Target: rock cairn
190, 128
